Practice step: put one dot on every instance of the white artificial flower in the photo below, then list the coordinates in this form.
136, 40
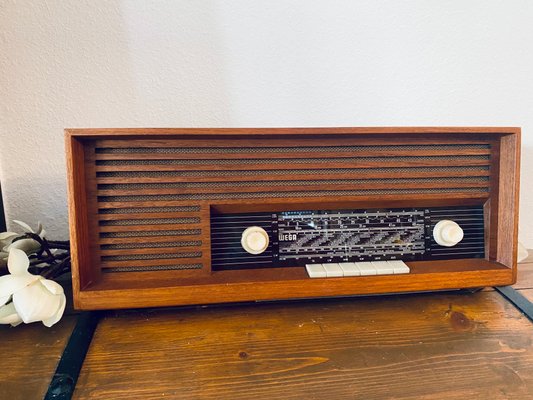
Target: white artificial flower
5, 240
34, 298
28, 245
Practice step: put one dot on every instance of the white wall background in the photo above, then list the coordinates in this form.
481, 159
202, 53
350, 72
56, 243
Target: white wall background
250, 63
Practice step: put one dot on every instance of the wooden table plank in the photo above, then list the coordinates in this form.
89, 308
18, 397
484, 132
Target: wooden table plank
527, 293
525, 276
432, 346
29, 355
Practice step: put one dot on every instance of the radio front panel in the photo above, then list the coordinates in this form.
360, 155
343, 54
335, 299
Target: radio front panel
308, 237
195, 216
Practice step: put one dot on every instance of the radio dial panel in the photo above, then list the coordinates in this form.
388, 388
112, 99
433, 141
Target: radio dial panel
296, 238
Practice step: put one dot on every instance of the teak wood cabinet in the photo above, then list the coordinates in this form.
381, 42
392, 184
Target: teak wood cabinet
140, 203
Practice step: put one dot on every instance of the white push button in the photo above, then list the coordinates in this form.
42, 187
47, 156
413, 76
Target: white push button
399, 267
366, 268
383, 268
254, 240
350, 269
447, 233
333, 270
316, 271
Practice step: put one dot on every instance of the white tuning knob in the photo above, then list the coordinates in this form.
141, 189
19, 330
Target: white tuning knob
447, 233
254, 240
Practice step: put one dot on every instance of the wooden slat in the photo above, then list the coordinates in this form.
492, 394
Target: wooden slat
408, 184
296, 154
170, 214
297, 164
147, 263
297, 203
356, 174
150, 227
151, 239
275, 138
150, 250
145, 204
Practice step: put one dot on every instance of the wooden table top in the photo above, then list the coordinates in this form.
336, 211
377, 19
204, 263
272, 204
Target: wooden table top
28, 357
429, 346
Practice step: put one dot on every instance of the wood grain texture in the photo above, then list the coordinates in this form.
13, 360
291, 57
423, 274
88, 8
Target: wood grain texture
126, 185
508, 188
387, 131
440, 346
525, 276
29, 357
131, 289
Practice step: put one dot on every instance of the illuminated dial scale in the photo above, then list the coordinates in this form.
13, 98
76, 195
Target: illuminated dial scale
349, 235
297, 238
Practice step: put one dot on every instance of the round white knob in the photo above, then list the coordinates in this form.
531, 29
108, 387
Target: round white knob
447, 233
254, 240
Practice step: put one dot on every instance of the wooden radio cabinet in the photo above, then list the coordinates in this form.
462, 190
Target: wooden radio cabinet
165, 217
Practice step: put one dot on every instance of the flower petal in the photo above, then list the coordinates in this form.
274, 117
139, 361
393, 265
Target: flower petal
8, 315
4, 300
59, 313
28, 246
24, 226
9, 284
40, 230
8, 236
35, 303
18, 262
52, 286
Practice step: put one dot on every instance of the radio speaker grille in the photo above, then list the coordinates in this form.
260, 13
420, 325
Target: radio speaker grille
150, 193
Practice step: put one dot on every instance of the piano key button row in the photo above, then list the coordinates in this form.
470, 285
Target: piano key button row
336, 270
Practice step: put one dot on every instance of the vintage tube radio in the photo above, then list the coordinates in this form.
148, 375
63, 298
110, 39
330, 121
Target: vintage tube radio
164, 217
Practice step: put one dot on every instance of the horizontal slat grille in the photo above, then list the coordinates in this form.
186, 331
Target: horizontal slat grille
225, 185
175, 267
157, 221
145, 187
148, 238
472, 160
162, 176
134, 210
472, 222
149, 245
150, 256
150, 233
